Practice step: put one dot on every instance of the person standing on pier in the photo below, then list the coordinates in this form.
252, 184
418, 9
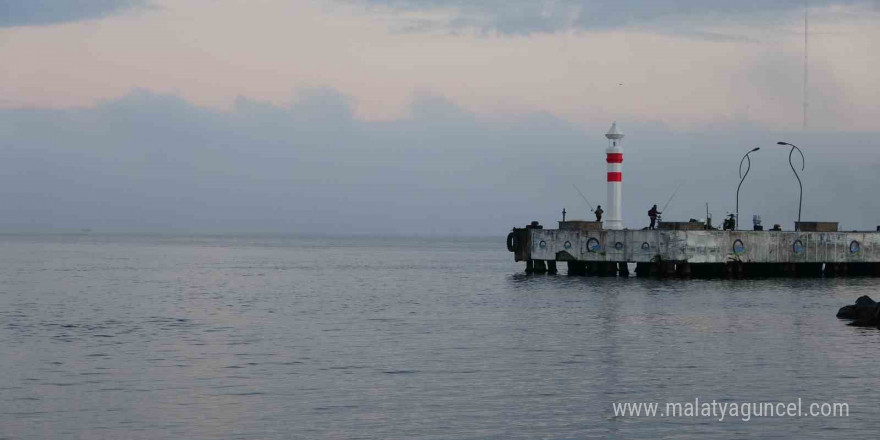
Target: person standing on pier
652, 214
599, 213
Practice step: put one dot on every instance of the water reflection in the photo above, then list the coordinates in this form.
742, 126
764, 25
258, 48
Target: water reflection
214, 337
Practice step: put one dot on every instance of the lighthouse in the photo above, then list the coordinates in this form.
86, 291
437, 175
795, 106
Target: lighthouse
614, 157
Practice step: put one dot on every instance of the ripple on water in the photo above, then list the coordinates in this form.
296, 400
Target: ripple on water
419, 339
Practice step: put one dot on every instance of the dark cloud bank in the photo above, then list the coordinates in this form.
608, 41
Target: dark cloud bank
536, 16
503, 16
151, 162
45, 12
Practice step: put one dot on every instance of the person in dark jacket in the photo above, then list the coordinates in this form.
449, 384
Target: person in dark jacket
599, 213
652, 214
729, 222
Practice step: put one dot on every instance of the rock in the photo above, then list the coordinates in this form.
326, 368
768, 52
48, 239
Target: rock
870, 322
847, 312
865, 300
864, 313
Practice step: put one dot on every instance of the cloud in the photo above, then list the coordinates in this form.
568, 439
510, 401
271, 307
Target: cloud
153, 162
45, 12
545, 16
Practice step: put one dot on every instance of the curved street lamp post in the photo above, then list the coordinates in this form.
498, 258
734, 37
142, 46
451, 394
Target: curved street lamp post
800, 185
742, 177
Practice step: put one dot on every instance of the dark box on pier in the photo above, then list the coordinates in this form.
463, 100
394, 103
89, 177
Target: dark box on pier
815, 226
580, 225
681, 226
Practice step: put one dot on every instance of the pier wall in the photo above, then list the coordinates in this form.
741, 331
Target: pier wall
645, 246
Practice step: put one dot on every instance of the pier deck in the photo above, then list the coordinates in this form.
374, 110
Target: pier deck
663, 251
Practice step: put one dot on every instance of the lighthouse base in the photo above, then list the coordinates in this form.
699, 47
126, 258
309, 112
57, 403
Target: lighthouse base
614, 225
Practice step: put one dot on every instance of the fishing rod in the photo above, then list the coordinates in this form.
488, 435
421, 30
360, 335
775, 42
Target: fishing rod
671, 197
583, 197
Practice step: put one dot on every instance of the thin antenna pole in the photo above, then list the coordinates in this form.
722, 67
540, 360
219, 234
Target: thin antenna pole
806, 57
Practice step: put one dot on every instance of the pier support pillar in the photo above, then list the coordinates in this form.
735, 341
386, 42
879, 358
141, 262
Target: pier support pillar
647, 269
608, 269
829, 270
860, 269
729, 270
683, 269
875, 269
667, 268
777, 269
622, 269
592, 268
551, 266
701, 270
808, 270
577, 268
759, 270
733, 269
540, 266
708, 270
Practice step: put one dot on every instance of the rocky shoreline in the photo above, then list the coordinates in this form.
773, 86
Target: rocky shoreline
864, 313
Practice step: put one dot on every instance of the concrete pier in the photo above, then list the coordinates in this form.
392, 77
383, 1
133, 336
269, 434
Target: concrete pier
590, 250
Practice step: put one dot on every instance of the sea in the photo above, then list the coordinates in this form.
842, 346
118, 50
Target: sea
289, 337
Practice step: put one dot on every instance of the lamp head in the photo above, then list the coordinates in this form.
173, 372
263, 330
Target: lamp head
755, 149
782, 143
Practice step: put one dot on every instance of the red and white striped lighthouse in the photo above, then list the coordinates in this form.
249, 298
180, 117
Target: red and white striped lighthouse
614, 157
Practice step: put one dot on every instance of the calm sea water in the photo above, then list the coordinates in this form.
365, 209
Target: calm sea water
110, 337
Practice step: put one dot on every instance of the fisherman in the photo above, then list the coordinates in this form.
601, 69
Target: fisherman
652, 214
729, 223
599, 213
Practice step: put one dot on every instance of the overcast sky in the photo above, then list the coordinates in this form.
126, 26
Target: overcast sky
427, 116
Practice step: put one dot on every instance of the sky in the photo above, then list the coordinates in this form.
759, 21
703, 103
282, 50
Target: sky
428, 117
